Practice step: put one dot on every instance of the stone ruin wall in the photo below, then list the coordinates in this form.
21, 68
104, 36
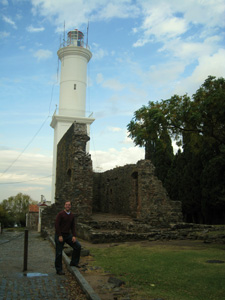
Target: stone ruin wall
74, 177
134, 190
131, 190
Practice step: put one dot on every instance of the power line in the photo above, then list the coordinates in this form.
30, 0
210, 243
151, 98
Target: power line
25, 147
25, 180
9, 167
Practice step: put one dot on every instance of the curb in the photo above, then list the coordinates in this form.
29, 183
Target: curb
86, 288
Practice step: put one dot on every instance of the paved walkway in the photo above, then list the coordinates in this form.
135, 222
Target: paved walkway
40, 280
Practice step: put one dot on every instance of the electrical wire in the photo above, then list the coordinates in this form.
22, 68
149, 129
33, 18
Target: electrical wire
9, 167
25, 180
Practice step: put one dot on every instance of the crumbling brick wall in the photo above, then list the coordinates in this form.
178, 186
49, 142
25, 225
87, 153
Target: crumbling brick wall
134, 190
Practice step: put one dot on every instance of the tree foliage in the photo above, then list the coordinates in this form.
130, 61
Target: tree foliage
3, 215
149, 129
196, 174
15, 208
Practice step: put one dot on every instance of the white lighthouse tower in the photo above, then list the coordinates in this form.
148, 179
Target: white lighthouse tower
74, 58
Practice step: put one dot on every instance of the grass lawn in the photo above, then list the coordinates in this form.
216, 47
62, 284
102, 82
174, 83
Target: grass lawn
166, 271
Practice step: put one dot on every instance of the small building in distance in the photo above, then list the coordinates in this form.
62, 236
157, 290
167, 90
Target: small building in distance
32, 217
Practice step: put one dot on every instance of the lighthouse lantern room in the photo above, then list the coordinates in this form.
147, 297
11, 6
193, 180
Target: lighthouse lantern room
76, 38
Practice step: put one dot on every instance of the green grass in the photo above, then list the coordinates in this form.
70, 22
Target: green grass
170, 273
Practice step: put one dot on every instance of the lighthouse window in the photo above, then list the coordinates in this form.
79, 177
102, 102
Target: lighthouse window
75, 87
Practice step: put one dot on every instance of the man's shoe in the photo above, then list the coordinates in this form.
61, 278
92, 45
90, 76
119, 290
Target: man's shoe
60, 273
73, 265
78, 266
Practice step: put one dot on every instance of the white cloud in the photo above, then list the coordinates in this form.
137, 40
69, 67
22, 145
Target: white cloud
59, 11
106, 160
95, 10
186, 38
167, 20
208, 13
116, 9
99, 53
42, 54
207, 65
31, 174
162, 74
33, 29
159, 22
190, 51
127, 139
141, 42
162, 24
114, 129
28, 161
9, 21
5, 2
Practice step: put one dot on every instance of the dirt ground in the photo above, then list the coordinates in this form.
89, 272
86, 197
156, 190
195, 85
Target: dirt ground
98, 279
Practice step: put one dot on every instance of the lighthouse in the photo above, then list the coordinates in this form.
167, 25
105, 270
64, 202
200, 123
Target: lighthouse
74, 57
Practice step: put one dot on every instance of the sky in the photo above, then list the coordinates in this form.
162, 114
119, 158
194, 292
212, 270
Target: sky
143, 50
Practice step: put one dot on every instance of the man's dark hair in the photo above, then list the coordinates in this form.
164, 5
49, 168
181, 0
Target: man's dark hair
67, 201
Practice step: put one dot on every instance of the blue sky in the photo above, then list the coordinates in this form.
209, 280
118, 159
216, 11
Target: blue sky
142, 50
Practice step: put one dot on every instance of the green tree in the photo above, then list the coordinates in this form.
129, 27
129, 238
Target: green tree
17, 207
149, 128
3, 216
196, 175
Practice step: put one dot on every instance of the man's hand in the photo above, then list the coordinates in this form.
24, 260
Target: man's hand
73, 239
60, 238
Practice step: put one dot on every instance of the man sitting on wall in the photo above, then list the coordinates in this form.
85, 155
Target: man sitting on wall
65, 233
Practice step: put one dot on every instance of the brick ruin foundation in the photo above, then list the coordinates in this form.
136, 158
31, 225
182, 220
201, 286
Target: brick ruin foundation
131, 191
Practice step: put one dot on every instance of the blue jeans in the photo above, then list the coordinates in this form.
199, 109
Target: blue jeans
59, 248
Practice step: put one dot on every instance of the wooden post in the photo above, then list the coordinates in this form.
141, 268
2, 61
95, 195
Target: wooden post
25, 250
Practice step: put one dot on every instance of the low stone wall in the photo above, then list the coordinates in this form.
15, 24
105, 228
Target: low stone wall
115, 232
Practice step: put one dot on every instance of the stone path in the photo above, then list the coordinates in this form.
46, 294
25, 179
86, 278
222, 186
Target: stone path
40, 280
